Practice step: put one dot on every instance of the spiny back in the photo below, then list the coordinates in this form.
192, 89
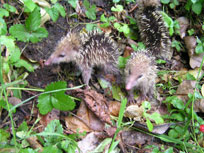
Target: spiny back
153, 30
97, 48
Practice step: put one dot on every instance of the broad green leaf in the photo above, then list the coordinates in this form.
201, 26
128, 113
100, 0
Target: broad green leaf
7, 41
9, 8
117, 93
30, 5
165, 1
15, 55
118, 8
53, 127
60, 9
86, 4
122, 61
33, 21
199, 48
149, 125
157, 118
169, 23
53, 12
90, 26
55, 86
63, 102
116, 1
3, 27
23, 127
197, 7
169, 150
178, 117
146, 105
190, 76
176, 102
4, 135
44, 104
91, 12
19, 31
3, 12
73, 3
37, 35
25, 64
103, 83
103, 18
51, 149
173, 133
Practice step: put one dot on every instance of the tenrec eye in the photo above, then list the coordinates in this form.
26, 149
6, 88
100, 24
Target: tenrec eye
139, 76
61, 55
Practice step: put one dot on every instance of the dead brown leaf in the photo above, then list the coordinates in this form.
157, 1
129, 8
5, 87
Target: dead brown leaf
190, 43
33, 141
97, 104
46, 119
114, 108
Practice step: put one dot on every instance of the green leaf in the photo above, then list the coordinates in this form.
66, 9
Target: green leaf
149, 125
9, 8
91, 12
90, 26
3, 27
33, 21
173, 133
118, 8
116, 1
51, 149
54, 1
199, 48
169, 23
165, 1
146, 105
169, 150
157, 118
44, 104
23, 63
55, 86
177, 116
60, 9
53, 12
36, 36
53, 127
63, 102
4, 106
103, 83
30, 5
15, 55
197, 7
190, 77
176, 102
23, 127
4, 135
19, 31
86, 4
103, 18
122, 61
73, 3
7, 41
3, 12
117, 93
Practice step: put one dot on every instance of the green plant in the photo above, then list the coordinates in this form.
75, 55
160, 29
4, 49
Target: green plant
194, 5
172, 3
199, 47
90, 10
177, 45
55, 99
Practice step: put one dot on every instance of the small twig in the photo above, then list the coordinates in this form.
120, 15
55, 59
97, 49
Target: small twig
133, 8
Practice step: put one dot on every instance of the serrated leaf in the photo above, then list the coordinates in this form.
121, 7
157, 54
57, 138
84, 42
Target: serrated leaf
63, 102
60, 8
30, 5
86, 4
177, 116
44, 104
53, 127
19, 31
33, 21
9, 8
103, 18
3, 27
197, 7
3, 12
53, 12
176, 102
56, 85
36, 36
4, 106
15, 55
23, 63
7, 41
91, 12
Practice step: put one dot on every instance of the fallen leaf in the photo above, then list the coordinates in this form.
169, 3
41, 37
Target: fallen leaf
186, 87
46, 119
195, 60
114, 108
202, 90
183, 23
33, 141
88, 144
